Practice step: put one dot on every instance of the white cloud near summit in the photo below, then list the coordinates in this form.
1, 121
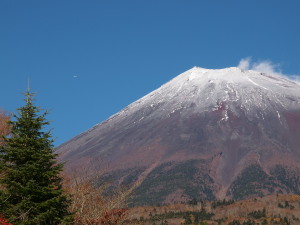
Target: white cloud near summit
264, 66
245, 64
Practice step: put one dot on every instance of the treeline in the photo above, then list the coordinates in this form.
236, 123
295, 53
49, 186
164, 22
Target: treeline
223, 202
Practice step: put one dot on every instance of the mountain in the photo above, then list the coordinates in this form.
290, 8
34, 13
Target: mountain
206, 134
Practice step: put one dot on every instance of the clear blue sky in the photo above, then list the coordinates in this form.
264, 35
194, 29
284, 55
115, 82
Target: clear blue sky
89, 59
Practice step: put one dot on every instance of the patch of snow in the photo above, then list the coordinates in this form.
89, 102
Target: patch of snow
256, 84
279, 117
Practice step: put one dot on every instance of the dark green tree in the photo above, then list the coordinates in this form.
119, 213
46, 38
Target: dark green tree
31, 189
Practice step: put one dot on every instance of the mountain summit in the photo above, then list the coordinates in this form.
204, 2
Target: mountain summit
206, 134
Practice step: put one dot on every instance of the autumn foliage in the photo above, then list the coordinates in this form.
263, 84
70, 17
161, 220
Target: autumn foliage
4, 130
4, 125
4, 221
91, 205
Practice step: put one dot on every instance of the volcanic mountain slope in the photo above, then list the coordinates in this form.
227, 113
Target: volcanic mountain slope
205, 134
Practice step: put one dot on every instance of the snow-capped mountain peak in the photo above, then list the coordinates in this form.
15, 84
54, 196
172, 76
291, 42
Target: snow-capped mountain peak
214, 126
200, 90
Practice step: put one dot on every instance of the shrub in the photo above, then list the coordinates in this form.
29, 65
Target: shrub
4, 221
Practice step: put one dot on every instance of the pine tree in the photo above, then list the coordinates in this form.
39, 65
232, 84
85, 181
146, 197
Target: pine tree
31, 190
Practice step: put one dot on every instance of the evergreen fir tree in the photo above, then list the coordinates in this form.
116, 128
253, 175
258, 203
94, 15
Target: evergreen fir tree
31, 189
